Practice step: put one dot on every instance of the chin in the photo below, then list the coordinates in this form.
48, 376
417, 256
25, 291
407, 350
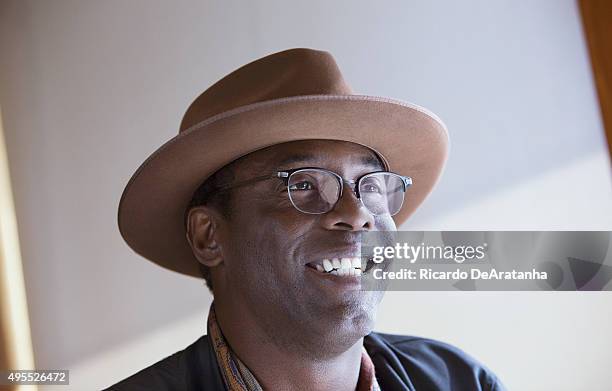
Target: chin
355, 320
347, 335
336, 329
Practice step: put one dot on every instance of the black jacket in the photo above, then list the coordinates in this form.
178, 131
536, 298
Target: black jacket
401, 363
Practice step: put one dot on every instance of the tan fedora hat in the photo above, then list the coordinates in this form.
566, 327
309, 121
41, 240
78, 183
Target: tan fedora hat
296, 94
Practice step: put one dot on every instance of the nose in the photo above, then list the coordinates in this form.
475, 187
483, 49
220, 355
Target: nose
349, 214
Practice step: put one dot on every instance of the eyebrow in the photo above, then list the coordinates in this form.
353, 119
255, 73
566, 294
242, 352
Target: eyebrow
304, 157
372, 160
300, 158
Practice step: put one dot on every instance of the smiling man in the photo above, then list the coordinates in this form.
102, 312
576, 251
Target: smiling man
277, 171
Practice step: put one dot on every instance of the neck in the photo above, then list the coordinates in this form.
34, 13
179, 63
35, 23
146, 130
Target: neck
281, 368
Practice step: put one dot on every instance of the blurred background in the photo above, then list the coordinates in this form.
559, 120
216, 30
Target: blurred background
88, 89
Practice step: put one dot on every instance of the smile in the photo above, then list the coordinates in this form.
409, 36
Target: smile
338, 266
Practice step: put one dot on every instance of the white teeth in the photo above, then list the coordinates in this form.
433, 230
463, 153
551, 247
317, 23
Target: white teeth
341, 266
327, 265
336, 263
346, 263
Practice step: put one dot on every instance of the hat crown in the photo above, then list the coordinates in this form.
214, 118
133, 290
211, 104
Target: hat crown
284, 74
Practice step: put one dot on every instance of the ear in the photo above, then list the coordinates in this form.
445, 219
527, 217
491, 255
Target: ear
202, 236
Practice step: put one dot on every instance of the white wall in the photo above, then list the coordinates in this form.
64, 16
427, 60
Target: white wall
89, 88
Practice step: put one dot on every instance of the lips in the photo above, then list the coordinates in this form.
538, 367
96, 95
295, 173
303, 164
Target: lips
341, 266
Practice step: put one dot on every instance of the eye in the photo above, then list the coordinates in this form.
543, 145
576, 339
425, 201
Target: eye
301, 186
371, 188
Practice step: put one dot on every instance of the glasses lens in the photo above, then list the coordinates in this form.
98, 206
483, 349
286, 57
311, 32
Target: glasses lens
313, 191
382, 193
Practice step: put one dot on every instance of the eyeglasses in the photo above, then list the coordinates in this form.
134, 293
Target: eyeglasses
314, 190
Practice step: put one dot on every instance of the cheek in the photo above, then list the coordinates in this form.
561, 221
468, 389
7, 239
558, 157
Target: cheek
262, 243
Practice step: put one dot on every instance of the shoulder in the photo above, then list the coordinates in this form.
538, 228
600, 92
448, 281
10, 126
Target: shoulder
429, 364
187, 369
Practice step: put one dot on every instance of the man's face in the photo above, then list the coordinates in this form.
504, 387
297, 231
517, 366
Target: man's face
267, 245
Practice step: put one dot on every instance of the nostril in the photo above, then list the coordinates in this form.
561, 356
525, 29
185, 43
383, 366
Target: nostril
343, 225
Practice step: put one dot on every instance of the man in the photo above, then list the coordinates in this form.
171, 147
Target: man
277, 171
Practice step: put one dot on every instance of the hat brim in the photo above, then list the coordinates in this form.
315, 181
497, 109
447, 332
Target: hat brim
411, 140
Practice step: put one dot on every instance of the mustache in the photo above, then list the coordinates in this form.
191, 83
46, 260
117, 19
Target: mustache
334, 244
348, 238
339, 243
334, 239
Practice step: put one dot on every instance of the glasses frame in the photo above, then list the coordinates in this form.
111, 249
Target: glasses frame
285, 175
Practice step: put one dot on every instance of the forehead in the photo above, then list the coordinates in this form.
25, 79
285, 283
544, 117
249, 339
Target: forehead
332, 154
